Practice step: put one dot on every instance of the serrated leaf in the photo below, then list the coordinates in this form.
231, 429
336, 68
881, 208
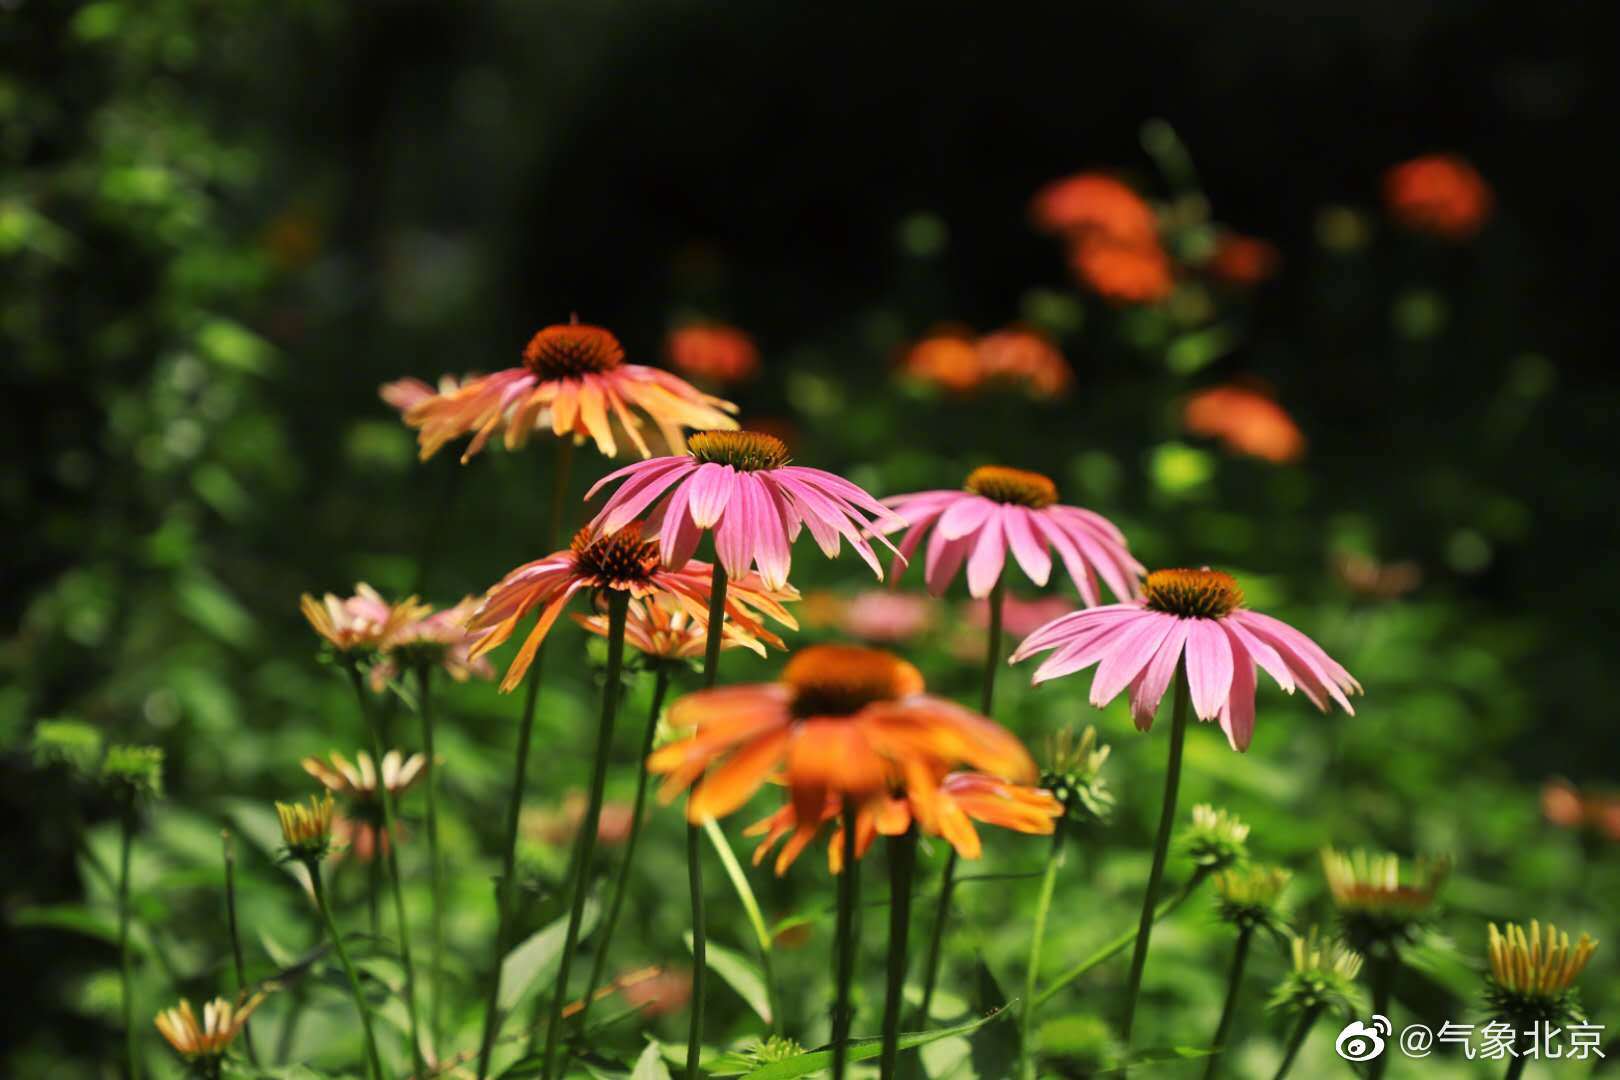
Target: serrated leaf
863, 1050
741, 974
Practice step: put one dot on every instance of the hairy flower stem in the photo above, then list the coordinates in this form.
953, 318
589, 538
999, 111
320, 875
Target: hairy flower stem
1384, 963
505, 890
1043, 906
424, 681
1516, 1066
848, 939
236, 937
1234, 984
618, 604
947, 884
1302, 1030
605, 938
1161, 849
714, 636
902, 858
373, 1061
126, 841
388, 849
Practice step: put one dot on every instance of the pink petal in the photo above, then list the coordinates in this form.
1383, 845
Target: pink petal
944, 559
1084, 651
680, 545
1132, 652
1030, 552
1260, 652
1073, 561
775, 553
911, 541
989, 556
1237, 715
1065, 627
965, 516
736, 537
711, 488
1303, 657
638, 493
1209, 667
1148, 690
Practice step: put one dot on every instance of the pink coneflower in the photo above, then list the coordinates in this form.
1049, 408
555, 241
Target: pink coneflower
623, 562
1196, 614
739, 484
438, 638
358, 623
1019, 617
1002, 510
573, 380
883, 616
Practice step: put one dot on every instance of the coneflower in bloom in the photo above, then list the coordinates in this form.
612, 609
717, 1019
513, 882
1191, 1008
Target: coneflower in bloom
622, 561
1439, 194
662, 629
1533, 977
948, 359
1002, 510
885, 617
1197, 615
1377, 904
359, 623
575, 382
434, 638
1097, 204
1122, 272
202, 1045
712, 352
739, 484
363, 782
1246, 421
844, 724
1027, 359
953, 804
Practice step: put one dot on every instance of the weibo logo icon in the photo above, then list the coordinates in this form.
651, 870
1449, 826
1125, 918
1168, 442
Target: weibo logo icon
1362, 1042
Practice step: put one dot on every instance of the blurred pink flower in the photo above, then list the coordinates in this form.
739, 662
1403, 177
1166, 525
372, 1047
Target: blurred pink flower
1196, 614
440, 638
739, 484
1019, 617
1006, 510
884, 616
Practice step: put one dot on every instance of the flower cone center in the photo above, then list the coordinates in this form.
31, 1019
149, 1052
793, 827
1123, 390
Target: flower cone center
572, 349
1192, 594
839, 680
620, 561
1016, 486
746, 451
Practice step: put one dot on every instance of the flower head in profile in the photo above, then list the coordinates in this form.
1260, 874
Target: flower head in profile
1242, 261
361, 780
1094, 204
361, 623
712, 352
1217, 838
621, 561
844, 723
433, 639
573, 382
1246, 421
1377, 904
1122, 272
1438, 194
1250, 896
306, 831
1322, 977
740, 485
946, 808
1002, 511
1533, 976
204, 1044
661, 629
1195, 620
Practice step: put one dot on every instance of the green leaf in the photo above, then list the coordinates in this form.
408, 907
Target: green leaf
741, 974
863, 1050
536, 959
992, 1051
739, 882
70, 917
1156, 1055
650, 1065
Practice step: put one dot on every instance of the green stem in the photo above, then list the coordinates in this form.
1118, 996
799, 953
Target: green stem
745, 896
1516, 1065
902, 857
373, 1059
714, 637
618, 604
1123, 941
1307, 1020
1385, 962
388, 849
605, 938
848, 937
374, 887
1161, 848
1054, 863
424, 679
992, 653
1234, 983
236, 937
504, 890
126, 964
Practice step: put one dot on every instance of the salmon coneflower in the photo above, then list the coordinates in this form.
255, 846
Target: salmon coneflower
407, 393
948, 359
1438, 194
1246, 421
740, 485
432, 639
574, 382
361, 623
1021, 357
1093, 203
885, 617
713, 352
203, 1045
1122, 272
362, 780
1190, 627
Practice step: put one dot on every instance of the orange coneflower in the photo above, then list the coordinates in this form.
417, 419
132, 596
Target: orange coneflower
575, 382
1121, 271
662, 629
622, 561
948, 359
1094, 203
1242, 261
845, 723
959, 799
1439, 194
206, 1042
1246, 421
1025, 358
714, 352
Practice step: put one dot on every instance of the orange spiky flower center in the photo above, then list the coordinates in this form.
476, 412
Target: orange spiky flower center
569, 350
1019, 487
1192, 594
745, 451
840, 680
620, 561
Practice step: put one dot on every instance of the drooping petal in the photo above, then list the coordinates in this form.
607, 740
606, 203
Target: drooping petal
1148, 689
709, 492
1129, 655
1027, 548
1237, 715
989, 556
1209, 667
965, 516
944, 559
734, 783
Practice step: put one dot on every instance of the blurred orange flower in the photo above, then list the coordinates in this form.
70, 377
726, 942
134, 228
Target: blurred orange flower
1242, 261
1094, 203
1567, 807
1439, 194
559, 825
714, 352
1025, 358
1246, 421
947, 359
1120, 271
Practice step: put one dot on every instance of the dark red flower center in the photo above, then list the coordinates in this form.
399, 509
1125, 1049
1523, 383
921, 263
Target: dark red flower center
569, 350
620, 561
840, 680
